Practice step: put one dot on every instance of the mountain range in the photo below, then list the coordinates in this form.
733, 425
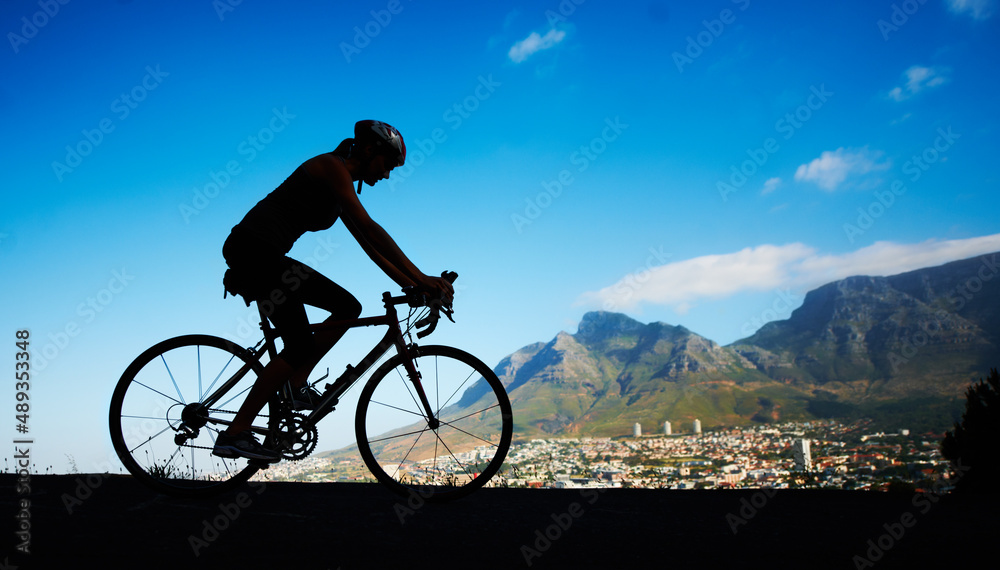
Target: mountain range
900, 350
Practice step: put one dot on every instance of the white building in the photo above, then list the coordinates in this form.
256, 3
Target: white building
667, 429
697, 426
637, 430
803, 458
733, 474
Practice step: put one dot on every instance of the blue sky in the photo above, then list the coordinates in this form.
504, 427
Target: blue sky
702, 164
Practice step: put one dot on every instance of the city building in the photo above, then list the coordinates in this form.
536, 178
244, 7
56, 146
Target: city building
637, 430
697, 426
803, 458
666, 429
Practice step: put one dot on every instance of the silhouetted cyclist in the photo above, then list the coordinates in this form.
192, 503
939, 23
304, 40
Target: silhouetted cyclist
311, 199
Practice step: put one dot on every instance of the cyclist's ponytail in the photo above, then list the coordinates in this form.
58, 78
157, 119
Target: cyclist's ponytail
343, 150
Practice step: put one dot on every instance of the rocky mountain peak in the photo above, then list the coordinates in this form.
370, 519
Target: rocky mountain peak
599, 325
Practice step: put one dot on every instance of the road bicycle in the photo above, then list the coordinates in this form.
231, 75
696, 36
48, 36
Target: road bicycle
431, 419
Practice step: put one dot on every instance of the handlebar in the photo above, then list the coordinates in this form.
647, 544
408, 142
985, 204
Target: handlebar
437, 306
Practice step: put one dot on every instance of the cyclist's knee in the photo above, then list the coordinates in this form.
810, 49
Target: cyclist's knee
347, 307
353, 309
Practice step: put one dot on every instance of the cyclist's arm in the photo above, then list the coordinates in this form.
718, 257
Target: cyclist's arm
381, 248
372, 237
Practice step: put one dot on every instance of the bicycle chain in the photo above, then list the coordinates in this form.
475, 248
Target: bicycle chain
311, 445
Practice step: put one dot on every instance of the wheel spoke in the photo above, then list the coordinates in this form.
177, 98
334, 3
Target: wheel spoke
457, 389
398, 436
404, 410
235, 396
474, 436
172, 379
154, 418
403, 460
451, 454
200, 393
470, 414
171, 398
216, 379
149, 439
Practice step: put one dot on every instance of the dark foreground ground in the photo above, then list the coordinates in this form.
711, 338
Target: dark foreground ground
114, 522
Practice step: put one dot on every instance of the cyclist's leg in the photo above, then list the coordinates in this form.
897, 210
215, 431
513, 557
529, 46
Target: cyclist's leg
289, 317
285, 366
268, 382
319, 291
306, 286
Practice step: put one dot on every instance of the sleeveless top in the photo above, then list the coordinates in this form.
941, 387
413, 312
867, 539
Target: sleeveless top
300, 204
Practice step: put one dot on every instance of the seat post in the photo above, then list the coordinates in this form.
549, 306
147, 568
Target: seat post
265, 327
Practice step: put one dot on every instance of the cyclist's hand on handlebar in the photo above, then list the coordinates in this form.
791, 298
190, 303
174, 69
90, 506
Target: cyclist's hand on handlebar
441, 293
441, 289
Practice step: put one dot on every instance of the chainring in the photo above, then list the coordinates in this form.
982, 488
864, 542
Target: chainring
298, 442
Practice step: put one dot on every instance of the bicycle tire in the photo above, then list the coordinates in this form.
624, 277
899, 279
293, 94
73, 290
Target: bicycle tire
457, 457
145, 415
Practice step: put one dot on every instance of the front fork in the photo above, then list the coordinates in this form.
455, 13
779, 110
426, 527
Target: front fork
414, 375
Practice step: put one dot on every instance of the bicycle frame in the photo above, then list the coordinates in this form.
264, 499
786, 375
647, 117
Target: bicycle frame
394, 337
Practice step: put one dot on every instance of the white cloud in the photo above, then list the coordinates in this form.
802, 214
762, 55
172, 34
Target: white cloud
918, 78
902, 119
832, 168
523, 49
712, 276
770, 186
680, 285
978, 9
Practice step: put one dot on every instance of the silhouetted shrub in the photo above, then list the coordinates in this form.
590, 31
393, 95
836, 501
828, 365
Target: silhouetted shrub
974, 445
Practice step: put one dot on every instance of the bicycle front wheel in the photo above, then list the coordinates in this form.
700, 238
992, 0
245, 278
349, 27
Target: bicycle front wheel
160, 429
456, 452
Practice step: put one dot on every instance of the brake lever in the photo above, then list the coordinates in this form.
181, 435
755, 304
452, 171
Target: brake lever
448, 312
450, 277
436, 308
428, 320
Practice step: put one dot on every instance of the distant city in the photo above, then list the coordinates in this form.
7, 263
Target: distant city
827, 454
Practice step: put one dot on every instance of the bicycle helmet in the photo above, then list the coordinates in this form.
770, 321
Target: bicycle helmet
387, 140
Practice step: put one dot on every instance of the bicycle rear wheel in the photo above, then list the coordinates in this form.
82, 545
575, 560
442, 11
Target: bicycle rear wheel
446, 460
162, 432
